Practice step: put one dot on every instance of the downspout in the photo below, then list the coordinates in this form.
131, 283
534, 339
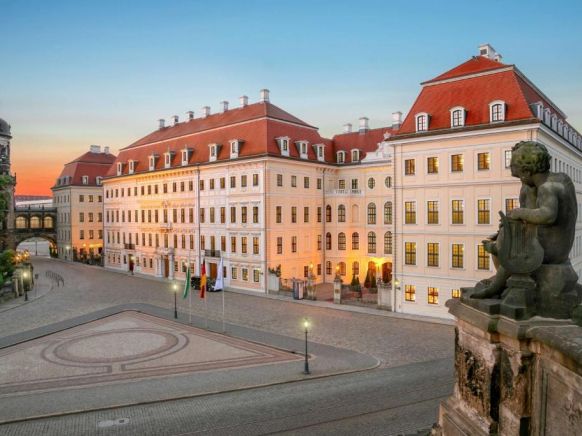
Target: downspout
265, 248
395, 241
198, 262
323, 219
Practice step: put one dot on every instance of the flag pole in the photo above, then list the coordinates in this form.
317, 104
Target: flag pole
190, 296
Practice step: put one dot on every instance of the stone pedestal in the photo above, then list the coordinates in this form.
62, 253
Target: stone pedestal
311, 288
513, 377
337, 290
384, 296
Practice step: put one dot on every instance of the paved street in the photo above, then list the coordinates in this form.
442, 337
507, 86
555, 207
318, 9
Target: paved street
402, 395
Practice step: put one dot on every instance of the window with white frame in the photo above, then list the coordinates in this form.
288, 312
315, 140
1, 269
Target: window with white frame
85, 180
319, 151
213, 152
497, 111
341, 157
234, 148
283, 143
185, 156
119, 168
168, 159
457, 117
302, 148
131, 166
421, 121
355, 155
99, 180
152, 162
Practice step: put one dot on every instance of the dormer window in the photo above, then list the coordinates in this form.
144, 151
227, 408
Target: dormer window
497, 111
547, 116
421, 122
302, 148
355, 155
283, 143
185, 156
131, 166
119, 168
99, 180
214, 149
341, 157
168, 159
85, 180
152, 162
235, 145
457, 117
554, 124
319, 152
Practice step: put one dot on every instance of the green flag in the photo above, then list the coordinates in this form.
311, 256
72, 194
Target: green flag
187, 284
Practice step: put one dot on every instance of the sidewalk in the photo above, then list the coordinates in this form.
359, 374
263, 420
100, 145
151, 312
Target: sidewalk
41, 288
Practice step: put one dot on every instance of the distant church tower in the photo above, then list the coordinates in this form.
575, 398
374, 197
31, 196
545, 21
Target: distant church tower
7, 224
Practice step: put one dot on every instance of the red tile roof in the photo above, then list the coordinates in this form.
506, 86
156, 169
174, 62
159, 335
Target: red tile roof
477, 64
88, 164
365, 142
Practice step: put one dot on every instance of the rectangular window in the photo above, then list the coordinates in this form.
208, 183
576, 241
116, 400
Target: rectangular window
507, 158
243, 211
256, 275
232, 214
222, 183
319, 183
211, 184
294, 244
432, 164
294, 181
510, 204
233, 181
245, 274
306, 182
201, 184
483, 161
341, 184
409, 292
233, 273
457, 211
243, 181
293, 214
255, 245
455, 293
432, 253
255, 180
432, 212
483, 212
280, 180
255, 214
212, 215
306, 214
410, 212
410, 253
233, 244
433, 295
457, 255
319, 242
279, 245
243, 244
457, 163
482, 258
278, 214
222, 215
82, 217
409, 167
318, 214
202, 215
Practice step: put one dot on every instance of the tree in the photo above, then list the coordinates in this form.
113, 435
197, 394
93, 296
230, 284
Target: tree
7, 263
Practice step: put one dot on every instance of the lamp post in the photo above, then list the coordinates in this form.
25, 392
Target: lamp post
306, 325
175, 289
25, 285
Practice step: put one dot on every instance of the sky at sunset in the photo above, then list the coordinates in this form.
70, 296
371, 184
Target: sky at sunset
75, 73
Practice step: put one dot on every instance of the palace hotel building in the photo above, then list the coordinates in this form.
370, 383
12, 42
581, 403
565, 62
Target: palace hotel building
259, 187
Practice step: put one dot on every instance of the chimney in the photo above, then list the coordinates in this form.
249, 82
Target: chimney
190, 115
364, 125
205, 111
348, 128
244, 101
264, 95
224, 105
106, 149
162, 123
176, 119
95, 148
396, 119
487, 51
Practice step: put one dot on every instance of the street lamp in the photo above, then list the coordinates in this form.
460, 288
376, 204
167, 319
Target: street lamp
175, 289
306, 325
25, 277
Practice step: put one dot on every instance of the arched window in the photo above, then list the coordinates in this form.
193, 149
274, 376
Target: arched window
371, 242
328, 241
457, 117
342, 268
388, 212
35, 222
21, 222
355, 241
388, 243
48, 222
341, 241
497, 111
355, 213
421, 122
341, 214
356, 269
371, 213
328, 214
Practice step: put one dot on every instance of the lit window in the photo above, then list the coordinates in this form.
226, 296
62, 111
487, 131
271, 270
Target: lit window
342, 268
433, 295
355, 241
371, 242
409, 167
457, 255
388, 212
482, 258
409, 293
483, 161
456, 293
388, 243
432, 250
510, 204
432, 164
410, 212
457, 207
432, 211
457, 162
371, 213
410, 253
507, 158
483, 212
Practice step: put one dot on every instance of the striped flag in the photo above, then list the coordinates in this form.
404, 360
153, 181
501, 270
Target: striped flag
187, 284
203, 280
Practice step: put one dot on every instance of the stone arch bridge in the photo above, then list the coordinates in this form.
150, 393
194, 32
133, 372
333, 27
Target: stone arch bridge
34, 222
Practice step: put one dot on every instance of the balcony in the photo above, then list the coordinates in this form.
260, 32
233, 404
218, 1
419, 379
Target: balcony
129, 246
212, 253
345, 192
165, 227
